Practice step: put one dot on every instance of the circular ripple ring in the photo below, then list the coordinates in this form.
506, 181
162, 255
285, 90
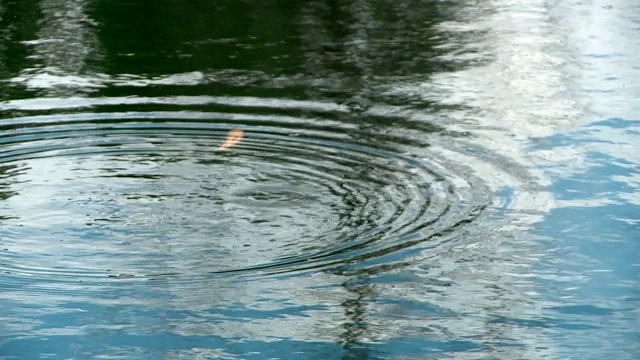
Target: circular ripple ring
152, 195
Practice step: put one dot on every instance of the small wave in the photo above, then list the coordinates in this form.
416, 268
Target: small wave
149, 194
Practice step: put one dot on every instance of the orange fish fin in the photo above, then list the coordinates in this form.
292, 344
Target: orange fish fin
233, 137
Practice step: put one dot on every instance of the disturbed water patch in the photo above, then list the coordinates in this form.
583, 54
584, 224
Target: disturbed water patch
143, 194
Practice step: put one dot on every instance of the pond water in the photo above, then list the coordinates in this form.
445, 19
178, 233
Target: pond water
408, 179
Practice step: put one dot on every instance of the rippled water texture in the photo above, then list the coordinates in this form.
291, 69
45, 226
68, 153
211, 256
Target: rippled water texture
319, 180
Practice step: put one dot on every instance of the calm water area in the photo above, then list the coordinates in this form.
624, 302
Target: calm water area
320, 179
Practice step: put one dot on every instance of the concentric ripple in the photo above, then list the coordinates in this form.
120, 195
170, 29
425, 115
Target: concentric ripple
120, 192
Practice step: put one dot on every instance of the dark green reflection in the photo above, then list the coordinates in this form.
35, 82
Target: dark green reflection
346, 51
339, 50
18, 23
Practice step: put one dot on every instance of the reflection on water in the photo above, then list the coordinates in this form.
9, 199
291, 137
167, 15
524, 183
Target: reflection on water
403, 180
63, 51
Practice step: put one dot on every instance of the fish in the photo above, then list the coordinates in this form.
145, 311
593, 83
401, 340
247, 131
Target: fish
233, 137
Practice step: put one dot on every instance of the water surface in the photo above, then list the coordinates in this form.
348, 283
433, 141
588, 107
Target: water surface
415, 180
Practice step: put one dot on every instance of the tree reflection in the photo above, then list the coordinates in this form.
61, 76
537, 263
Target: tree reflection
64, 51
18, 23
